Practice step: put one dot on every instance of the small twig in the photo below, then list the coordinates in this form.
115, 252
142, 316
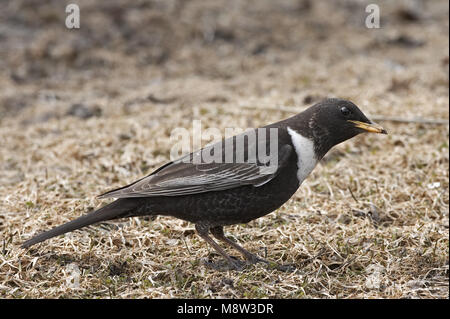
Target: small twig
273, 108
187, 246
418, 120
379, 118
353, 195
155, 99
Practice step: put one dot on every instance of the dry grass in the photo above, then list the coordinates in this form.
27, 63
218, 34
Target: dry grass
370, 222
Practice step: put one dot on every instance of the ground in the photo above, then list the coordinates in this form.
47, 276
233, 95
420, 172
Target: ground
86, 110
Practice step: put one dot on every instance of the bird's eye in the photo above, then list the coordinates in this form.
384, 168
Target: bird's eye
345, 111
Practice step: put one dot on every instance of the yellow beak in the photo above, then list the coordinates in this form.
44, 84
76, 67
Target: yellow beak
369, 127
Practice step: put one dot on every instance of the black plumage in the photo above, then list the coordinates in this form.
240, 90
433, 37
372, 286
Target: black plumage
216, 194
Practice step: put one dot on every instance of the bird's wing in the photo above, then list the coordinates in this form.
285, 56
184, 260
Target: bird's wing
184, 176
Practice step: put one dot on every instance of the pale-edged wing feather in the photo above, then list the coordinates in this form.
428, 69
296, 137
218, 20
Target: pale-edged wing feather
185, 177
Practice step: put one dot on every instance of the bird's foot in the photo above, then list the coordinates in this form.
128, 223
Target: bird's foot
253, 259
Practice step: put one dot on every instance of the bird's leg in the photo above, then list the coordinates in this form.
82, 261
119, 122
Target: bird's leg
251, 258
202, 231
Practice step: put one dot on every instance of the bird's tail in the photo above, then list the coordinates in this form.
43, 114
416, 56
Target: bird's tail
117, 209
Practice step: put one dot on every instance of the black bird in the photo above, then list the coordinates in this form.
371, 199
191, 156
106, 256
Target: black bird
236, 186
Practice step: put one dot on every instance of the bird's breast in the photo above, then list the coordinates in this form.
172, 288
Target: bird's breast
306, 157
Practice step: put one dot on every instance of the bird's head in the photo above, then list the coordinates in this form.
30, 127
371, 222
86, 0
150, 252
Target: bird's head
335, 120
